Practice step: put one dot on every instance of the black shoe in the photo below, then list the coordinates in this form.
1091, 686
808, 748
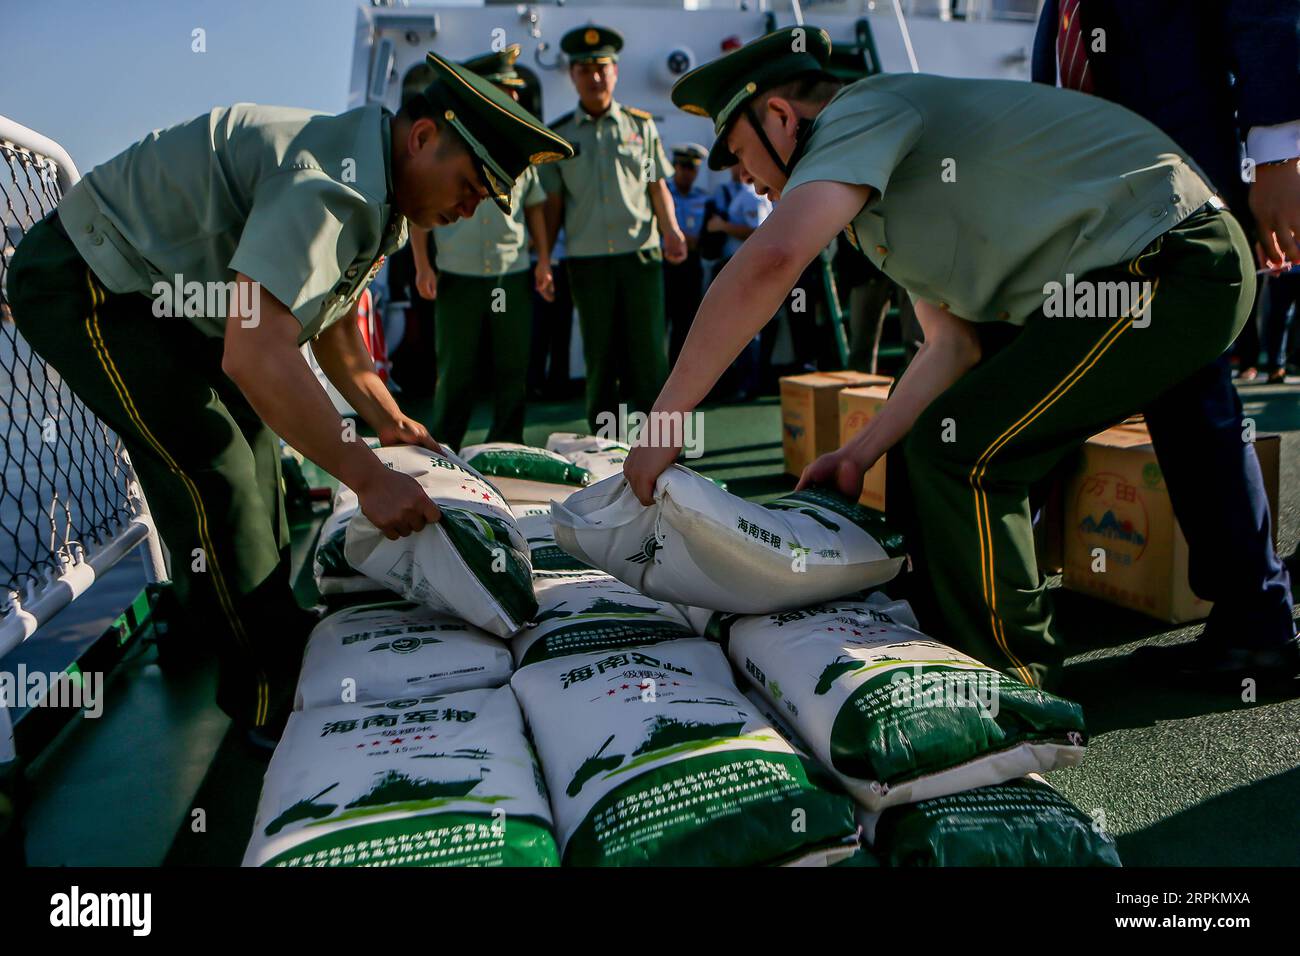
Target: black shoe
1206, 659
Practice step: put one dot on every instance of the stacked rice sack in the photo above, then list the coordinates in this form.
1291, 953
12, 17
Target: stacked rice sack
523, 473
902, 721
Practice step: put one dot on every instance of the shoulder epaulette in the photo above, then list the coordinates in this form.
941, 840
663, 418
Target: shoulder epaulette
561, 120
640, 114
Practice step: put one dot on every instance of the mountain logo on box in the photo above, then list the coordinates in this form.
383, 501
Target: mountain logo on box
1112, 527
1115, 512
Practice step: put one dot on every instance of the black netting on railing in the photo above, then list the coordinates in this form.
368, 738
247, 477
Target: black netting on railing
63, 490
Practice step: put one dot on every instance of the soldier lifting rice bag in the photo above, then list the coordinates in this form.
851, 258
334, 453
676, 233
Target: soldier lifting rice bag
433, 781
700, 546
897, 716
653, 757
393, 649
472, 563
1018, 823
525, 474
590, 611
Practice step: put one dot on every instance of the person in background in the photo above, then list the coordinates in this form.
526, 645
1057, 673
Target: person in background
612, 198
684, 281
548, 365
743, 212
1279, 303
482, 292
1226, 77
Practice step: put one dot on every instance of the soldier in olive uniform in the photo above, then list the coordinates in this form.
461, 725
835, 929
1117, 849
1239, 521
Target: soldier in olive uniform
288, 214
986, 200
483, 294
614, 202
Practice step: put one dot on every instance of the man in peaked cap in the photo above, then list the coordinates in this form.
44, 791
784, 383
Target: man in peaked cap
282, 217
613, 199
684, 281
1067, 264
483, 293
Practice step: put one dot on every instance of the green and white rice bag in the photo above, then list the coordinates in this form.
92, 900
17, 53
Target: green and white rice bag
700, 546
1022, 822
472, 563
544, 554
526, 474
601, 457
392, 649
589, 611
898, 717
447, 780
330, 565
653, 757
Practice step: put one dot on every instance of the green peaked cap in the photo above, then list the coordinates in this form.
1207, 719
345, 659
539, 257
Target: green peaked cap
505, 138
498, 68
721, 89
584, 44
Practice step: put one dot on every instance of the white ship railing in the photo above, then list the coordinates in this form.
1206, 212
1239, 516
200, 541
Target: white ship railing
70, 505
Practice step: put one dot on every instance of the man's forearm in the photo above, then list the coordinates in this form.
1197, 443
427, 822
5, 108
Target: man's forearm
554, 212
662, 202
343, 358
286, 395
419, 240
535, 216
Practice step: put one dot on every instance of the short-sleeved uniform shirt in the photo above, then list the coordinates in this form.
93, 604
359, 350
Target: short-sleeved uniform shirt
607, 209
299, 201
689, 207
490, 243
746, 208
990, 189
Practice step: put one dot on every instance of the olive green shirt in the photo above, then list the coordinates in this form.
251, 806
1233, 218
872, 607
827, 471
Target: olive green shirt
490, 243
990, 189
607, 208
299, 201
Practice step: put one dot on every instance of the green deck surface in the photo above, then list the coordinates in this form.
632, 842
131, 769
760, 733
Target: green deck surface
1181, 777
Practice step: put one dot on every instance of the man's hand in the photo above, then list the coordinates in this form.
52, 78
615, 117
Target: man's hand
395, 503
715, 224
426, 283
544, 280
643, 467
1275, 204
407, 431
675, 246
841, 469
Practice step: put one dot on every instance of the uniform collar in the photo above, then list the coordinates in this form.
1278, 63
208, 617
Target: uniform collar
614, 112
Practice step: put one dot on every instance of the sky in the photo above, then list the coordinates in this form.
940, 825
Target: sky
97, 75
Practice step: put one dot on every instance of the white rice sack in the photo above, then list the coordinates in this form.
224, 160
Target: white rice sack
589, 611
434, 781
707, 623
653, 757
330, 566
698, 545
472, 563
896, 716
1023, 822
393, 649
524, 474
601, 457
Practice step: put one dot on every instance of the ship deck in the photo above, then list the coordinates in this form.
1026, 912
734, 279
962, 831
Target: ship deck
1182, 777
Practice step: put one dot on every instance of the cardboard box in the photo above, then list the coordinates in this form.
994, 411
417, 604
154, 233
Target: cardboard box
1122, 543
857, 407
810, 414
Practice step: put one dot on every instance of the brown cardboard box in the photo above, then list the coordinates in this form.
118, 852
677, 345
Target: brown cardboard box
857, 407
1117, 502
810, 419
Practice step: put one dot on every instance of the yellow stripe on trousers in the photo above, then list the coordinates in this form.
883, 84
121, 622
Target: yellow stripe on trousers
982, 521
97, 298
